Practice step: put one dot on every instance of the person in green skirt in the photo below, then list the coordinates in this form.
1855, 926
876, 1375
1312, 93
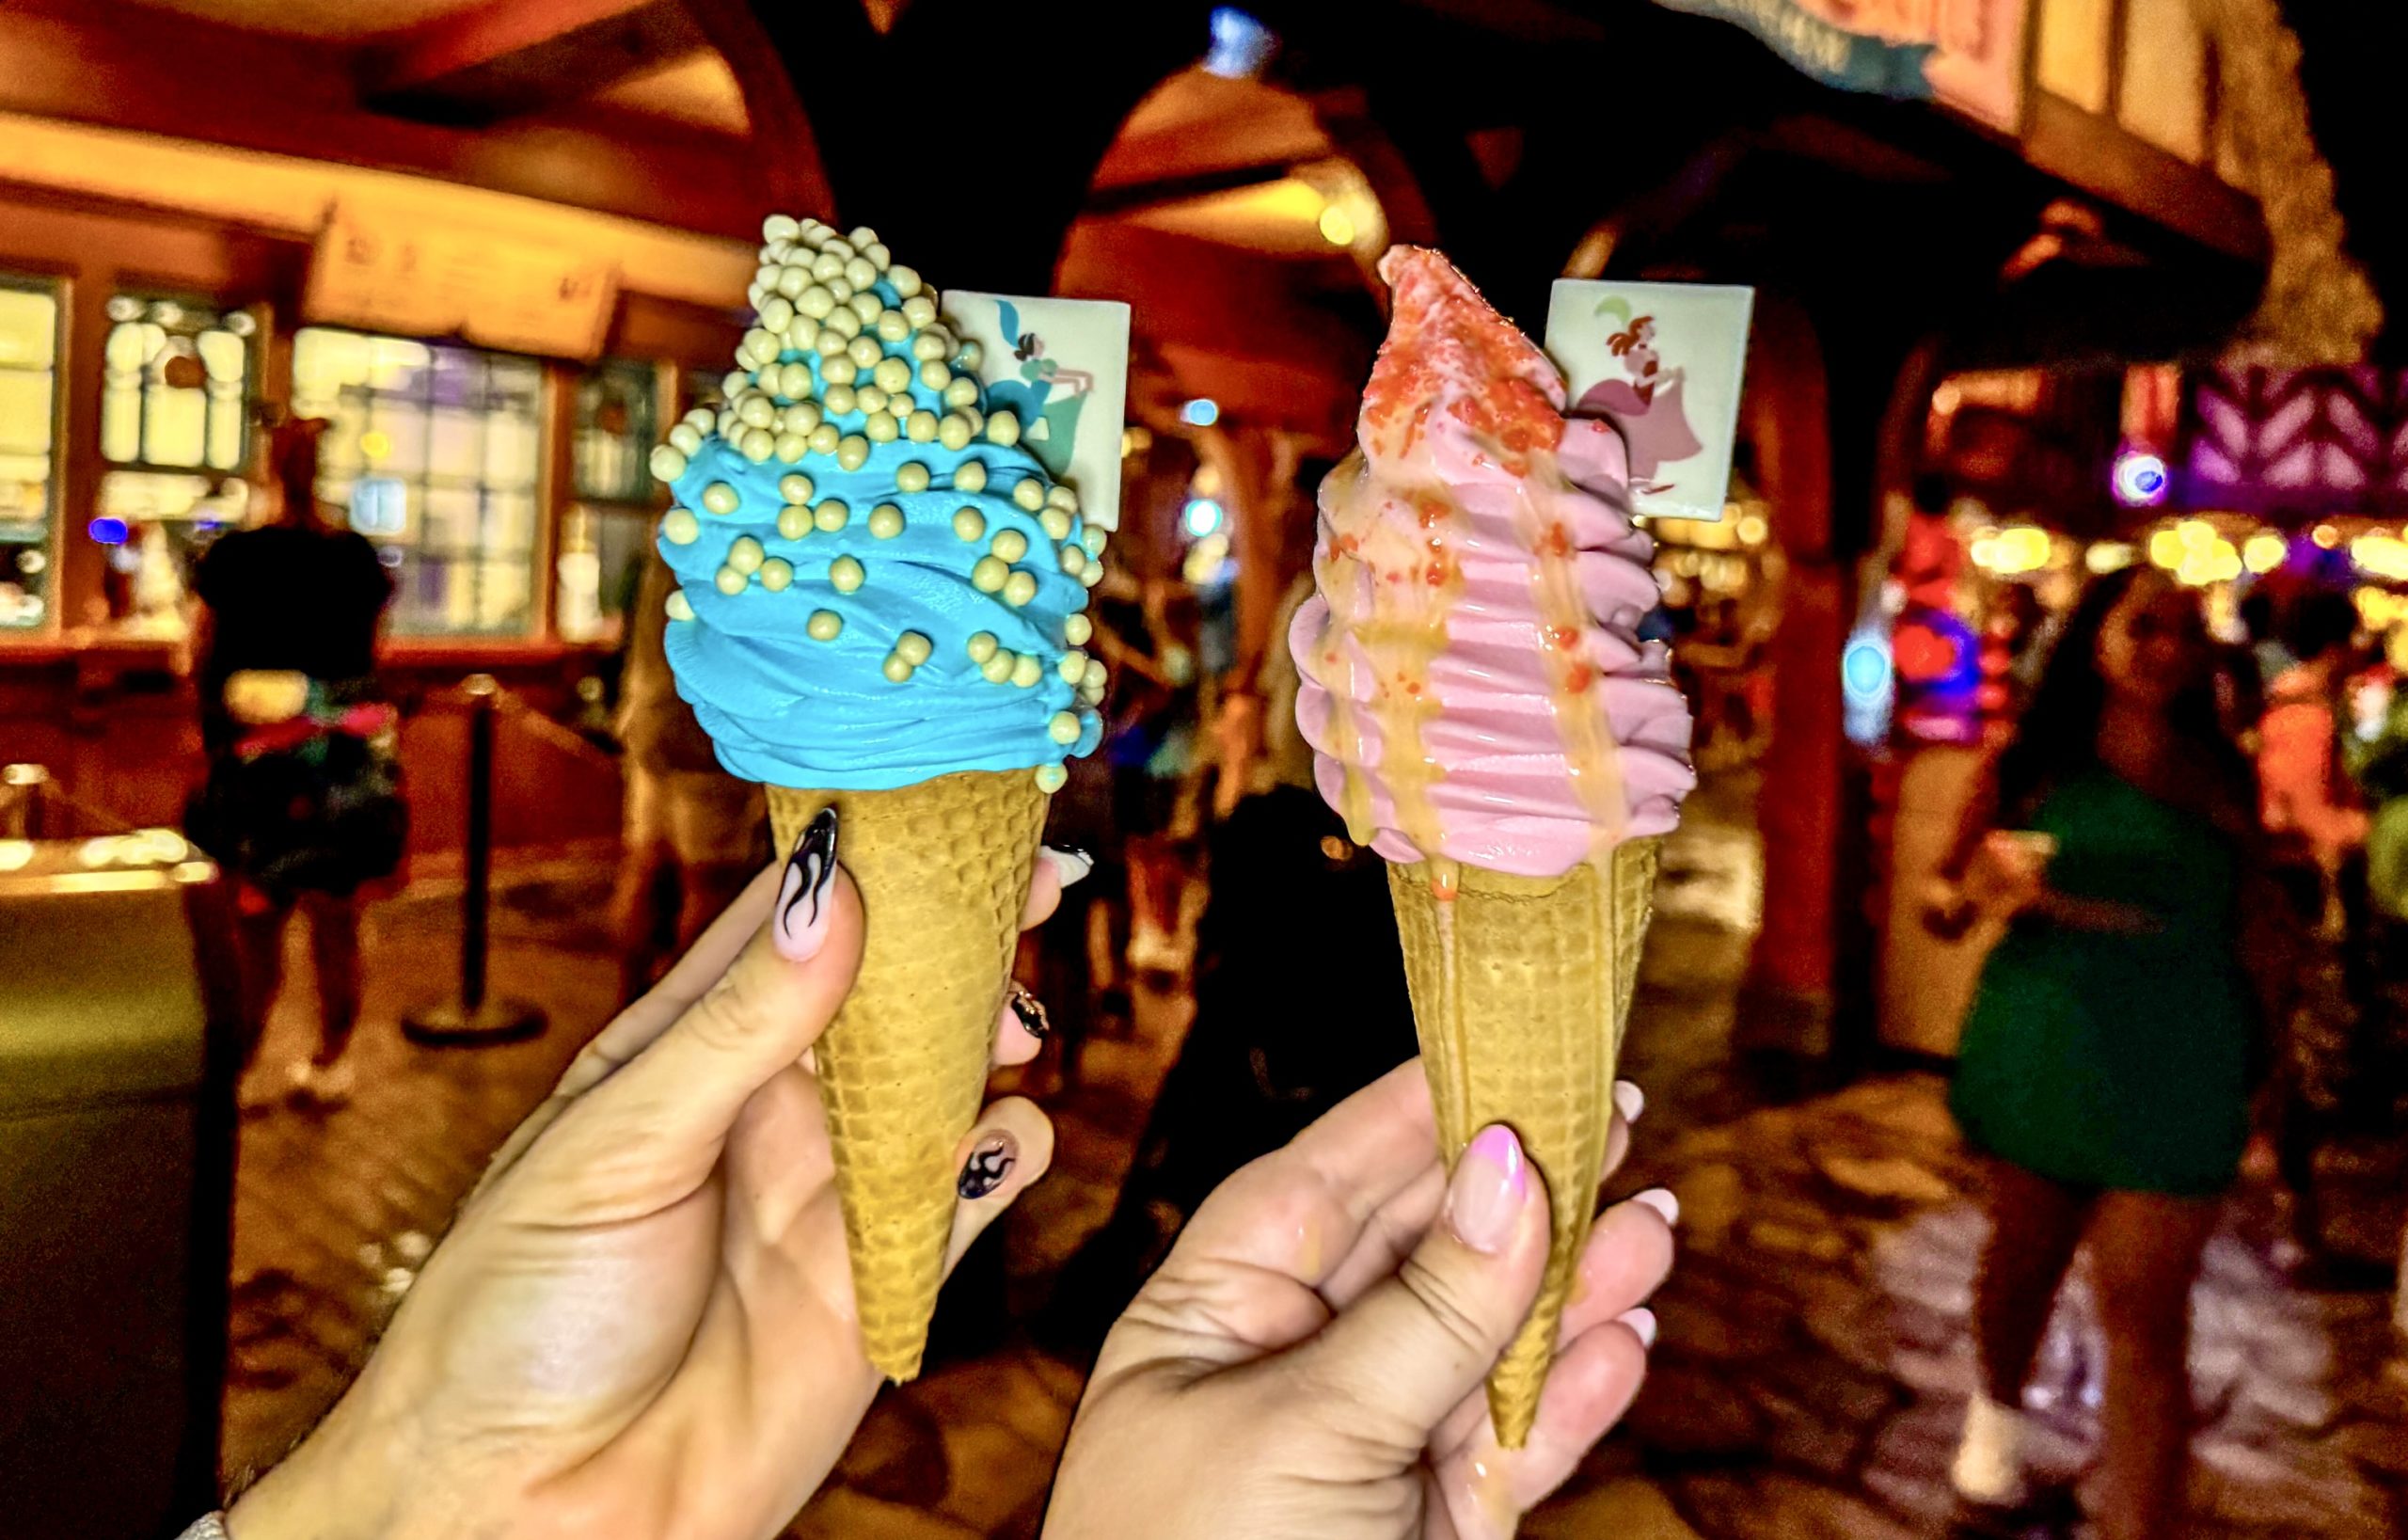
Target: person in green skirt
2107, 1060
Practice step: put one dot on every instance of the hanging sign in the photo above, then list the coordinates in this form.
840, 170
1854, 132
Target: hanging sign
1964, 54
394, 270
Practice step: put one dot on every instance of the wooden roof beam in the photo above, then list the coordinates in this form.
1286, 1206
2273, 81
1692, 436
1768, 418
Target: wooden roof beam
514, 57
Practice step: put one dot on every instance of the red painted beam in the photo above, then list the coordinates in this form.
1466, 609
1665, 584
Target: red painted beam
514, 57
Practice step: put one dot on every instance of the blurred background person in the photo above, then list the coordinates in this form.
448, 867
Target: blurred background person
302, 804
2315, 825
693, 834
1275, 1043
2105, 1064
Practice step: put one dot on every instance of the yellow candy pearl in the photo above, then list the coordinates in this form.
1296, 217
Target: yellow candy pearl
897, 668
886, 521
745, 555
982, 646
825, 625
1063, 729
831, 515
1051, 778
720, 497
1019, 588
970, 524
1057, 524
914, 647
1075, 560
1078, 630
794, 521
679, 525
1030, 493
970, 477
730, 581
1011, 545
912, 476
1074, 668
1026, 669
824, 439
921, 427
853, 452
998, 667
777, 574
992, 574
845, 575
679, 606
1002, 428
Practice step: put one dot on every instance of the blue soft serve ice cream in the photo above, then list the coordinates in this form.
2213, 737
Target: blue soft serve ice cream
880, 583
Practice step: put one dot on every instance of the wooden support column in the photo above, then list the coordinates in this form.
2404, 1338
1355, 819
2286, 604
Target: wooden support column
1791, 978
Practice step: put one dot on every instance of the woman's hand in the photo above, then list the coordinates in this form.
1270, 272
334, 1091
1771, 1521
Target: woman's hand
2007, 875
1309, 1360
643, 1323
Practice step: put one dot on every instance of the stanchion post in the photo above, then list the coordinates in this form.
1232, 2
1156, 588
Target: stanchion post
476, 898
472, 1018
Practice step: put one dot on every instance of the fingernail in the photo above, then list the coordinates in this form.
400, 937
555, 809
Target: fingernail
990, 1161
1630, 1100
1029, 1011
1485, 1199
1662, 1201
1642, 1320
800, 928
1072, 864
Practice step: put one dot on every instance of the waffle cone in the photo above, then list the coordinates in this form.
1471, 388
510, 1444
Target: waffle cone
943, 869
1521, 989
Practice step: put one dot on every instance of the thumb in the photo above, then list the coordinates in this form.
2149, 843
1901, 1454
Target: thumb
1406, 1354
669, 1110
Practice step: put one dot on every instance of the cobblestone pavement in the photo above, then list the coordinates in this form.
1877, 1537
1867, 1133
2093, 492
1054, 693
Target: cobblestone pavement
1814, 1358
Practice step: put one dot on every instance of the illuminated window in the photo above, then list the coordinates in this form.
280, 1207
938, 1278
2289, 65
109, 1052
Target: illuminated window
2075, 37
29, 410
178, 381
175, 385
437, 452
2164, 97
608, 529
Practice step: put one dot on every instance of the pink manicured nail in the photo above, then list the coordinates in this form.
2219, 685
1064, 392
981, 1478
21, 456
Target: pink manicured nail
1490, 1182
1662, 1201
798, 926
1642, 1320
1629, 1100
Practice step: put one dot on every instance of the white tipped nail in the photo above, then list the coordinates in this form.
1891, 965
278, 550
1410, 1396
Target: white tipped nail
1629, 1100
1072, 864
1642, 1320
1663, 1202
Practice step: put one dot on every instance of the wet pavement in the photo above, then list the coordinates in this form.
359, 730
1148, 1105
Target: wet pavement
1813, 1359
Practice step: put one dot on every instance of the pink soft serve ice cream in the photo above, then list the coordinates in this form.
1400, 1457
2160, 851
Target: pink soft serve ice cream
1474, 687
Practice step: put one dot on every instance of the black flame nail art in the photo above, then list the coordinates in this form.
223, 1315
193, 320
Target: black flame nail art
801, 918
989, 1162
1031, 1012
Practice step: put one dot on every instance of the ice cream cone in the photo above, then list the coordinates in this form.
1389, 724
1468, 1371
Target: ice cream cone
944, 868
1521, 989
